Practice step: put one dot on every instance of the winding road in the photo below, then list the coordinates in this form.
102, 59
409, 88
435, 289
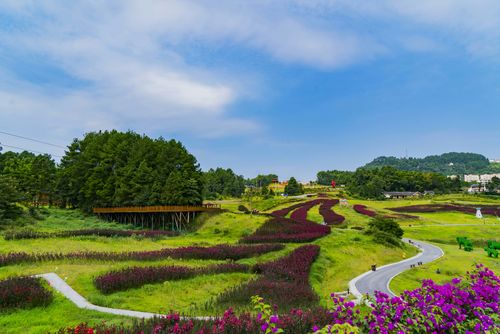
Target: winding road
380, 279
366, 283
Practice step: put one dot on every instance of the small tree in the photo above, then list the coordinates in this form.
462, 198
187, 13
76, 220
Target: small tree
293, 187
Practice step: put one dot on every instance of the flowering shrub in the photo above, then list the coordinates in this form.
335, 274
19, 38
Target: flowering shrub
89, 232
287, 230
287, 210
300, 214
329, 216
363, 210
270, 320
469, 305
135, 277
23, 292
485, 209
219, 252
295, 321
284, 282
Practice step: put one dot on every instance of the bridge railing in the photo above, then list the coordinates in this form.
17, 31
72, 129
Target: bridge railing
158, 208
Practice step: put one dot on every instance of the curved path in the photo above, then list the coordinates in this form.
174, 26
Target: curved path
60, 285
366, 283
380, 279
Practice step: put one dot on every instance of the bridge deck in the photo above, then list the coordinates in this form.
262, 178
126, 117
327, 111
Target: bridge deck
158, 208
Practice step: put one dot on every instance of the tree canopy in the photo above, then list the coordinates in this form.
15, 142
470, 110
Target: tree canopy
111, 168
452, 163
222, 182
293, 187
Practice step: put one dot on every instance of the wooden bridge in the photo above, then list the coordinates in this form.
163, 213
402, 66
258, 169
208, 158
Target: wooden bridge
172, 217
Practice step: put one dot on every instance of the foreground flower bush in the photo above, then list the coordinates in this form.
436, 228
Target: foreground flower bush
283, 282
23, 292
89, 232
219, 252
363, 210
135, 277
466, 305
287, 230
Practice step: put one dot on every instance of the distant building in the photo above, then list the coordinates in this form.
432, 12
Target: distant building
429, 193
497, 161
401, 194
475, 188
483, 178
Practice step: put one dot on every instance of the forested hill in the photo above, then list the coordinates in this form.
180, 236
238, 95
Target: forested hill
452, 163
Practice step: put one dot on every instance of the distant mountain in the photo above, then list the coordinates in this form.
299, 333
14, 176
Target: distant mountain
452, 163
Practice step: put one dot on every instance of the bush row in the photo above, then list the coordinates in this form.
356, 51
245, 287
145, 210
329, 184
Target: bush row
329, 216
485, 209
28, 234
363, 210
295, 321
286, 230
284, 282
300, 214
135, 277
23, 292
219, 252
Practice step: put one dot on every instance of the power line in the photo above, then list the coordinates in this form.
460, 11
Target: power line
35, 140
32, 151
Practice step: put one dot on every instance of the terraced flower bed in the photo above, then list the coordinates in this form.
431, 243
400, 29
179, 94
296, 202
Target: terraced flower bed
329, 216
300, 214
284, 282
286, 230
363, 210
89, 232
426, 208
135, 277
23, 292
219, 252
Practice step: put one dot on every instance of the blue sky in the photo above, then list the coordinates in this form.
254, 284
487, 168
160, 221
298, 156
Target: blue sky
288, 87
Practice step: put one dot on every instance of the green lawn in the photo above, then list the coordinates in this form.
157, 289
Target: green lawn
345, 253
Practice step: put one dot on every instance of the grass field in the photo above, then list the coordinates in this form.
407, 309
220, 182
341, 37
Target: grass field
344, 254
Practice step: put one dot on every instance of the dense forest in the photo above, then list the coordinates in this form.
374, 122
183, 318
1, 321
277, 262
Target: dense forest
221, 182
372, 182
448, 164
106, 168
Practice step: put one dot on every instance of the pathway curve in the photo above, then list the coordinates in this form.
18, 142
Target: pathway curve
60, 285
380, 279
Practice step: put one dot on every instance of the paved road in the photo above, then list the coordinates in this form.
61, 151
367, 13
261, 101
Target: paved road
379, 280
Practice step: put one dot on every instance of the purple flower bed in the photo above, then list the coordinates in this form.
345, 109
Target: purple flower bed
468, 305
284, 282
295, 321
287, 210
219, 252
287, 230
424, 208
23, 292
329, 216
135, 277
363, 210
89, 232
300, 214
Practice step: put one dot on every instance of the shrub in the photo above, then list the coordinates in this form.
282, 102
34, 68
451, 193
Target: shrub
385, 231
23, 292
243, 208
135, 277
219, 252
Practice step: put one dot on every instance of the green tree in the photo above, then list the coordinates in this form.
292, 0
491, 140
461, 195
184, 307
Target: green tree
9, 196
293, 187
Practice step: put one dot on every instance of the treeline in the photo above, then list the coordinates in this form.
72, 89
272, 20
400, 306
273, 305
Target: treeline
112, 168
448, 164
371, 183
